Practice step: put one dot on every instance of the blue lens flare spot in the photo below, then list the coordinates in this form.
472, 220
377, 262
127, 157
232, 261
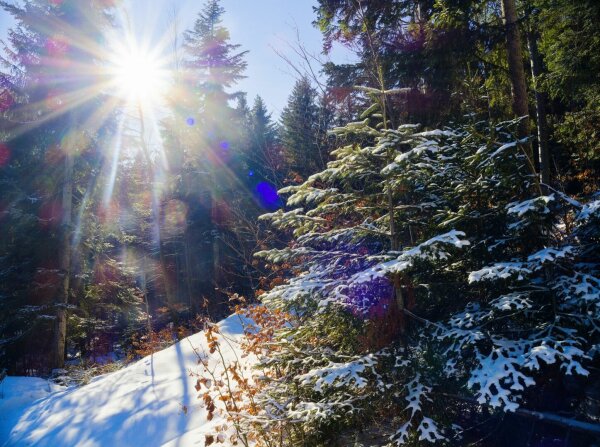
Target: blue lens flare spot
267, 195
224, 145
190, 121
250, 173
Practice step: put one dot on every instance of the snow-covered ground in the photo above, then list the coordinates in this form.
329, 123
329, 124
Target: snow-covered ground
140, 405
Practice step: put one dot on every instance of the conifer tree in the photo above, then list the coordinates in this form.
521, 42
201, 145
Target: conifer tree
54, 134
497, 308
300, 130
264, 159
568, 42
515, 64
214, 63
212, 66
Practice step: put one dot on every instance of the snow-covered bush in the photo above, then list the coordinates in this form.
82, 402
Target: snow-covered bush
438, 249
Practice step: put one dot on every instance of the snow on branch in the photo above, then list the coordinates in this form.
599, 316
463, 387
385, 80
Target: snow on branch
581, 287
436, 133
497, 374
339, 375
432, 250
277, 256
512, 301
501, 270
429, 431
551, 350
503, 148
417, 394
549, 255
590, 210
291, 219
521, 269
307, 194
506, 369
538, 204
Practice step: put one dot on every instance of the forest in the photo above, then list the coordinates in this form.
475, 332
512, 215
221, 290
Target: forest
407, 254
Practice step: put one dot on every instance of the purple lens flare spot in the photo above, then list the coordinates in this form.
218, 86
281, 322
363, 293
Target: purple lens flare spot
267, 195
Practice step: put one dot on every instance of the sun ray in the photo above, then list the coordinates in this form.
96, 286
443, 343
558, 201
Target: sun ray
36, 114
114, 164
77, 233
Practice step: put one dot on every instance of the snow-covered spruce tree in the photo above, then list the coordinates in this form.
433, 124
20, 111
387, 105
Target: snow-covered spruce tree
356, 217
526, 286
427, 266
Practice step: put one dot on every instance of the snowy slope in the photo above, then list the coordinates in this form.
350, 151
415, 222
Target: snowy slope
17, 394
140, 405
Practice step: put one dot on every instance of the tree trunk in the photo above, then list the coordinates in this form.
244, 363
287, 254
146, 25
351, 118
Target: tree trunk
57, 354
214, 308
155, 207
145, 293
540, 109
162, 258
401, 305
515, 66
189, 272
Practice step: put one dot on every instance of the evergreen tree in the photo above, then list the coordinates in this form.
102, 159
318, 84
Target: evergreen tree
515, 65
463, 283
568, 42
300, 130
215, 64
211, 150
264, 159
55, 138
416, 45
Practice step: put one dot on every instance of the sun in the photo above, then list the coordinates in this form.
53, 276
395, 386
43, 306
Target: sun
138, 75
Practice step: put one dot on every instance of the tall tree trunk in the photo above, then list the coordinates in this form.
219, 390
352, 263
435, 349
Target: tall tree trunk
399, 296
189, 272
162, 258
57, 354
214, 306
145, 293
540, 108
515, 66
155, 207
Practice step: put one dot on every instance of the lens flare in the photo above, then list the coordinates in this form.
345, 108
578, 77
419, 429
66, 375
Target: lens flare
57, 46
267, 196
139, 75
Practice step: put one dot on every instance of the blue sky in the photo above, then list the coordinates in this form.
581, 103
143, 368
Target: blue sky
258, 25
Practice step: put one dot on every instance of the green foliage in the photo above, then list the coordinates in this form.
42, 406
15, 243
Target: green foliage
263, 155
39, 51
569, 42
486, 309
215, 61
301, 131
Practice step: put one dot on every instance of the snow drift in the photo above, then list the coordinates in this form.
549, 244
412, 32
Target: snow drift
149, 403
